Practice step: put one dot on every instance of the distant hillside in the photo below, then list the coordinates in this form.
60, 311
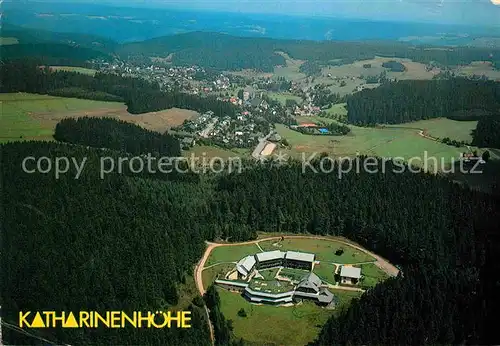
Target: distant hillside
25, 36
226, 52
222, 51
211, 50
52, 53
53, 48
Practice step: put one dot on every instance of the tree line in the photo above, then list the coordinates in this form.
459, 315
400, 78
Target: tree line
412, 100
486, 133
139, 95
225, 52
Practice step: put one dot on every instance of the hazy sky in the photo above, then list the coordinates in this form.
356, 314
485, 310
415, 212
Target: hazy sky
446, 11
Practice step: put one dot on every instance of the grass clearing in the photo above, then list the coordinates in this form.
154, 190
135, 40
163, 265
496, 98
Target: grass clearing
292, 69
387, 142
270, 325
443, 127
30, 116
322, 248
20, 120
231, 253
479, 68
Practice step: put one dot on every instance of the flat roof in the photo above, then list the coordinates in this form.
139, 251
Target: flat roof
270, 255
299, 256
232, 283
350, 272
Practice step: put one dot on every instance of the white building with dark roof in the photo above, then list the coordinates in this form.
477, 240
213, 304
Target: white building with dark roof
350, 275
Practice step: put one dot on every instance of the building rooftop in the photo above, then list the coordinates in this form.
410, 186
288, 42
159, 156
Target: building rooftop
245, 265
300, 256
311, 280
233, 283
270, 255
350, 272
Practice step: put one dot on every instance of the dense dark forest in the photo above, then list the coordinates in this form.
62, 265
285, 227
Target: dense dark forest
140, 96
486, 134
117, 135
96, 245
411, 100
444, 238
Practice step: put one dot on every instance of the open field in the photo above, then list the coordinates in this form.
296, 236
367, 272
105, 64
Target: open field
384, 142
30, 116
291, 70
324, 250
5, 41
414, 70
372, 275
478, 68
231, 253
442, 127
22, 116
270, 325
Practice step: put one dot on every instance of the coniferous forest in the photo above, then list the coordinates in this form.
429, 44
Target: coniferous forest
130, 241
117, 135
411, 100
486, 133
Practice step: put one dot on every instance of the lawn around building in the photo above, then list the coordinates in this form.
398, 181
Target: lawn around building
231, 253
269, 324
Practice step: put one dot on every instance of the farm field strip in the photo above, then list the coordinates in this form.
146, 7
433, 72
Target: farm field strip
31, 116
